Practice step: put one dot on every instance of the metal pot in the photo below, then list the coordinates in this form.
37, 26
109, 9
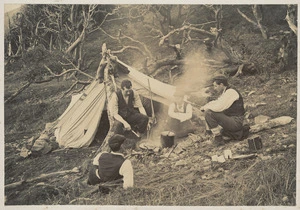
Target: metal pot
167, 139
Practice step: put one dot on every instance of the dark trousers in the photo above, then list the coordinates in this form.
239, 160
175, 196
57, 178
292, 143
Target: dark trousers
93, 178
137, 121
232, 125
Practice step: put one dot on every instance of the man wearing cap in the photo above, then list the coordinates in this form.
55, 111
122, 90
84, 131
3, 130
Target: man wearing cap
112, 166
127, 110
179, 115
226, 113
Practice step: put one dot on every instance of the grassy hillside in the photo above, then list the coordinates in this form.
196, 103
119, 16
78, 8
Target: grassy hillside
188, 178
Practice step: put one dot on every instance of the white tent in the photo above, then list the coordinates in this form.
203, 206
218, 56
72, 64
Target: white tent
78, 125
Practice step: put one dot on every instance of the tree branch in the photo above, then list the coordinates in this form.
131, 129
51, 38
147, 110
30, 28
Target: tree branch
186, 27
68, 71
42, 176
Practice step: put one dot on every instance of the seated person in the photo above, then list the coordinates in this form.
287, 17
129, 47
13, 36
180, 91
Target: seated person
127, 110
179, 116
112, 166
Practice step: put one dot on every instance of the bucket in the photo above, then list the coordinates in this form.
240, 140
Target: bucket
167, 139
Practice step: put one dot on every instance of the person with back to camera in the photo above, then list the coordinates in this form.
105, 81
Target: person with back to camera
110, 166
225, 115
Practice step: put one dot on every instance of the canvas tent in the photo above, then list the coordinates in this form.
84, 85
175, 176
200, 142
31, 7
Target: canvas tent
78, 125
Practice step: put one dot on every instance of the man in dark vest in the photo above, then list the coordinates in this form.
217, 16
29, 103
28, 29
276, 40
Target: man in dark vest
112, 166
127, 109
225, 115
179, 116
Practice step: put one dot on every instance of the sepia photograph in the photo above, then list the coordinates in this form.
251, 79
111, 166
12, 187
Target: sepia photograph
151, 105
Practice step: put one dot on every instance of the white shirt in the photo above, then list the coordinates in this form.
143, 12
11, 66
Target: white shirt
126, 170
227, 98
182, 116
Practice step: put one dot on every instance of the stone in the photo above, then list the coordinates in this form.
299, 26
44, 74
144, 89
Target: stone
181, 163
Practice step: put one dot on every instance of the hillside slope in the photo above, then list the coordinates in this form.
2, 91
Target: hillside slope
187, 177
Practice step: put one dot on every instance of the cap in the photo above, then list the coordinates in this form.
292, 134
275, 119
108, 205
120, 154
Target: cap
116, 140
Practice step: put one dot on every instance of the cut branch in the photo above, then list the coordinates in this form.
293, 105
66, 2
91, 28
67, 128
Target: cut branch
18, 92
42, 176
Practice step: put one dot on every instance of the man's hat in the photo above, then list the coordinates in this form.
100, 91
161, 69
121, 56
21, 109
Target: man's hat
116, 140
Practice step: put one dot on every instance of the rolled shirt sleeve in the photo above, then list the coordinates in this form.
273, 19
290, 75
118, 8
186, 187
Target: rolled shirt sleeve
126, 171
223, 102
137, 103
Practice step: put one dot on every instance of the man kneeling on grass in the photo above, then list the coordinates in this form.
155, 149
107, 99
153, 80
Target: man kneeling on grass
112, 166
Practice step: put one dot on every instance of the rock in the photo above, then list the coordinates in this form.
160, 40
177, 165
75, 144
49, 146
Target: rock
265, 157
221, 159
156, 149
285, 199
178, 149
25, 152
291, 146
181, 163
249, 115
261, 119
220, 170
52, 138
187, 143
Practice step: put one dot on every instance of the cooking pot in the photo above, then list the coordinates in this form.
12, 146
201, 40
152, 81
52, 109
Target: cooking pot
167, 139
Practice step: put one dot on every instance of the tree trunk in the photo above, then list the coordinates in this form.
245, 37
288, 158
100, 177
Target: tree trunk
257, 12
291, 18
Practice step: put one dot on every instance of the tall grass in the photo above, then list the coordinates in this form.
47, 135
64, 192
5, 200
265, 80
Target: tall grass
262, 183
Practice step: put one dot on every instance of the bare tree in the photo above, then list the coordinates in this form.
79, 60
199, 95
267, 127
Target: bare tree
258, 14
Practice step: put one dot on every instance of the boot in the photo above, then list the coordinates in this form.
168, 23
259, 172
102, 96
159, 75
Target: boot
218, 140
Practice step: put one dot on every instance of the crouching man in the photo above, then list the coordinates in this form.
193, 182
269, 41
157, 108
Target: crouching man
112, 166
225, 115
127, 109
179, 116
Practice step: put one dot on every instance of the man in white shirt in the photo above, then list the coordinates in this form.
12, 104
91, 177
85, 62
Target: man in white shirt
179, 116
126, 108
225, 114
112, 166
